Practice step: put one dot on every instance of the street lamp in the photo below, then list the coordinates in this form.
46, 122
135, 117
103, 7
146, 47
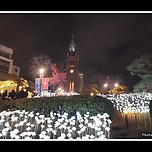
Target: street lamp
71, 71
91, 94
59, 89
41, 72
116, 85
105, 85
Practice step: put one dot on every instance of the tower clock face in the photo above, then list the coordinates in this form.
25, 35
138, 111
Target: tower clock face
71, 71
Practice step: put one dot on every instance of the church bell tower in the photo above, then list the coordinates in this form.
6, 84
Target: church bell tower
73, 83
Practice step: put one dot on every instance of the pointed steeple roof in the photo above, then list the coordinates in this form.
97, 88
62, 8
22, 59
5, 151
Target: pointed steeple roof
72, 46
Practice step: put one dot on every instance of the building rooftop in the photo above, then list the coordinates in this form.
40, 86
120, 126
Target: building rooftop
6, 49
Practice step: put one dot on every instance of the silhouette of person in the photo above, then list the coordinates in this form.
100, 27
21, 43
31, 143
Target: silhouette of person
4, 95
12, 94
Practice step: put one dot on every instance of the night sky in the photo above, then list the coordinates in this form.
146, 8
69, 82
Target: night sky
107, 43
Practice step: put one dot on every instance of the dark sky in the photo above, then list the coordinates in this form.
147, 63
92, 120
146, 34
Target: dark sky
107, 43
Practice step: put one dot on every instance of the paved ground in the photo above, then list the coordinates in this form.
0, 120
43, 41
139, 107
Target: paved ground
120, 130
124, 133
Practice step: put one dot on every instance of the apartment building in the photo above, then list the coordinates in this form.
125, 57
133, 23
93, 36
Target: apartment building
6, 61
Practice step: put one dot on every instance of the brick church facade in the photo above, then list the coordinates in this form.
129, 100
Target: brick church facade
74, 79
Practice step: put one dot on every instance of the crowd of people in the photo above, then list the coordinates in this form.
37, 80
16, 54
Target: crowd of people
13, 95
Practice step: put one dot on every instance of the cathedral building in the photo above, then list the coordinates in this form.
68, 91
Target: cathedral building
74, 80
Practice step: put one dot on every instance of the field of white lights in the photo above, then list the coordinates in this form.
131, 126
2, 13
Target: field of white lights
24, 124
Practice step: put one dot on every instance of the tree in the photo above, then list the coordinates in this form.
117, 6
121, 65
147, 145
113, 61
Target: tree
143, 68
55, 74
101, 79
23, 83
88, 89
12, 82
57, 77
111, 80
38, 62
144, 85
119, 90
104, 90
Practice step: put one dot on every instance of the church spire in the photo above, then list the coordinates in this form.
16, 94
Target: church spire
72, 46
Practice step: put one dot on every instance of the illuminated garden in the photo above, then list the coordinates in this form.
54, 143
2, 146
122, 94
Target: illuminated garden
95, 113
53, 89
74, 117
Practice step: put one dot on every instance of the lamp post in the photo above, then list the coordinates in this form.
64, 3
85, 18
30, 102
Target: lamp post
116, 85
110, 86
41, 77
91, 94
104, 86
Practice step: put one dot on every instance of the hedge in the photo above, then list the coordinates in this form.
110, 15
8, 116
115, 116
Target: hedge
70, 104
